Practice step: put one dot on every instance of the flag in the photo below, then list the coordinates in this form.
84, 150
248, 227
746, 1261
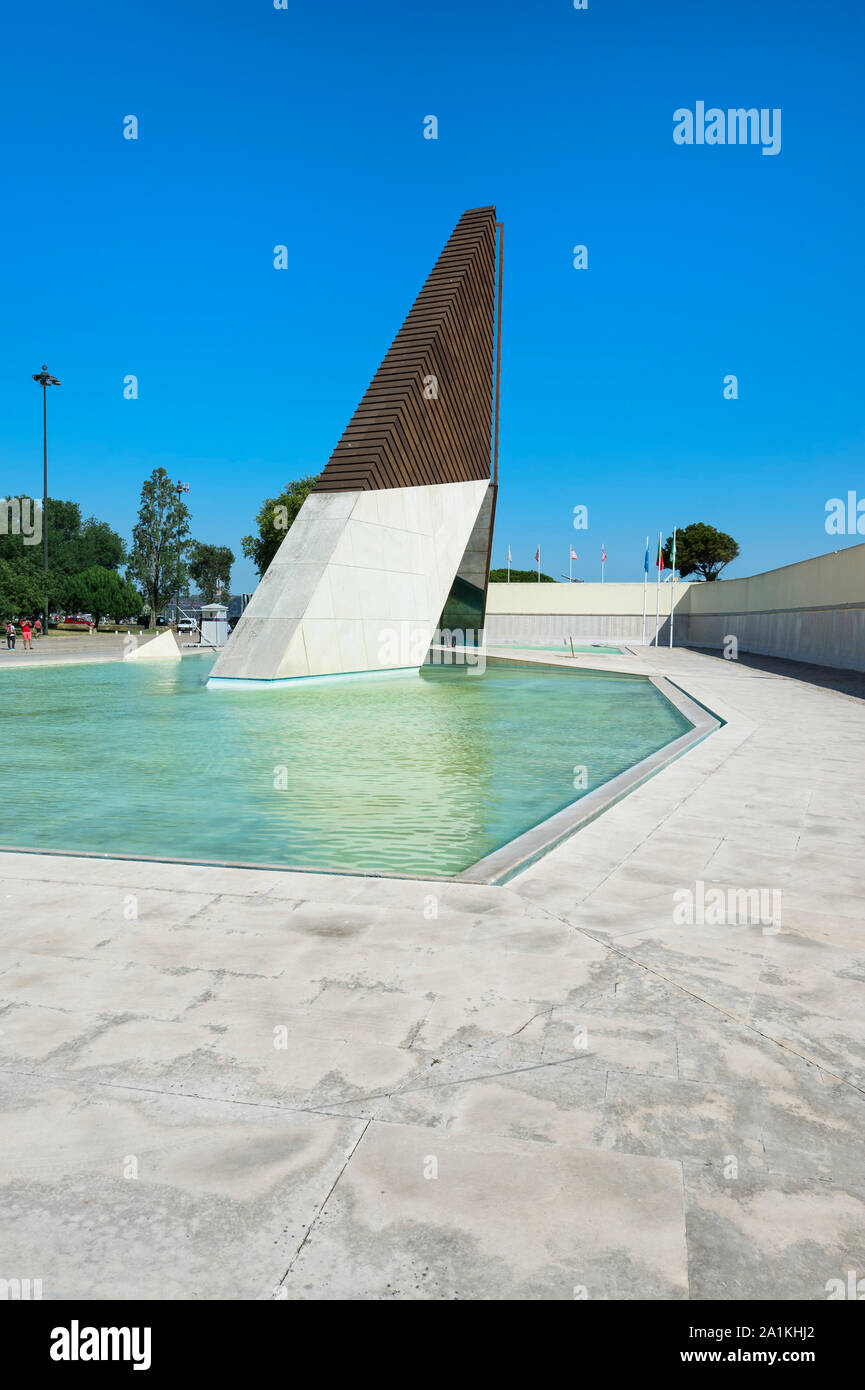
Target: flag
646, 561
603, 554
574, 555
660, 560
538, 556
509, 555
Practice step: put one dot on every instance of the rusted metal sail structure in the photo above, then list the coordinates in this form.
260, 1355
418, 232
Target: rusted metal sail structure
426, 416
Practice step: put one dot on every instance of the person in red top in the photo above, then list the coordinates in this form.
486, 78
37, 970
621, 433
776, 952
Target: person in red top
37, 627
25, 633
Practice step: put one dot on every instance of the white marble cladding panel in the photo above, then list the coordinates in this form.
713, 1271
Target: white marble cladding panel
265, 631
358, 584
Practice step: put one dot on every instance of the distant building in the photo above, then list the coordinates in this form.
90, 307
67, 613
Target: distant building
190, 606
214, 624
187, 606
236, 605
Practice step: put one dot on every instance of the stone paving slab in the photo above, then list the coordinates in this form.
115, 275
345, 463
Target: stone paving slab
617, 1100
119, 1193
417, 1216
767, 1237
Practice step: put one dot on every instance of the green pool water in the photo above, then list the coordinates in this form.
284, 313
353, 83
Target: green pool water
564, 650
418, 775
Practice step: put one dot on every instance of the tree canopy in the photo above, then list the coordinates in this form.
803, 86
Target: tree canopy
102, 593
701, 550
96, 544
274, 518
22, 591
73, 545
500, 576
210, 567
160, 541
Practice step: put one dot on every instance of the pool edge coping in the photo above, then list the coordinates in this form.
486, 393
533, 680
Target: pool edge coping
519, 854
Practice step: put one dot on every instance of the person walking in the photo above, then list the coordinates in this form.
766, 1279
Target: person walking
37, 628
26, 634
10, 635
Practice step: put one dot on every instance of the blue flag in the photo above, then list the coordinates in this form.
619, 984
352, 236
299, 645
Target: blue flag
646, 561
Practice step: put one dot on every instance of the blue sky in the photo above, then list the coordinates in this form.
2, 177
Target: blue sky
305, 128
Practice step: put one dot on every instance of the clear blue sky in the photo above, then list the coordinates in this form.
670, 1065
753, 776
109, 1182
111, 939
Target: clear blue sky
304, 127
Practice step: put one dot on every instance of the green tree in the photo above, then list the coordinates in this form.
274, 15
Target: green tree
22, 591
520, 577
160, 540
701, 549
72, 545
210, 567
274, 519
95, 544
63, 523
101, 593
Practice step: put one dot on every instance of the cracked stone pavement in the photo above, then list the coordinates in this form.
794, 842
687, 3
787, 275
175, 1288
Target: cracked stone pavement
273, 1085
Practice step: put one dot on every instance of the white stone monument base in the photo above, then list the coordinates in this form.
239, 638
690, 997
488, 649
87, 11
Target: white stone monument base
161, 648
358, 585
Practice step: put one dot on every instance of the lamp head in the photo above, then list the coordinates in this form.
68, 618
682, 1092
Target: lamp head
45, 378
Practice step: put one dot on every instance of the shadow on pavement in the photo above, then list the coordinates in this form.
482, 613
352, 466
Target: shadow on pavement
828, 677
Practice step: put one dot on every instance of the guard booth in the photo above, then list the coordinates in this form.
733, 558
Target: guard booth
214, 624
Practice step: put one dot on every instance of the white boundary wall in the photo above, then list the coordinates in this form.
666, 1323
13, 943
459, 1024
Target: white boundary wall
592, 612
811, 611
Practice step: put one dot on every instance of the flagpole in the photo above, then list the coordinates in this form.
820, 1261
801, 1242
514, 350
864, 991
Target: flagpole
672, 584
509, 564
539, 564
570, 564
603, 561
645, 587
658, 592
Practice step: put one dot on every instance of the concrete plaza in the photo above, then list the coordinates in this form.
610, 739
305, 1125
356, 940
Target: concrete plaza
69, 649
233, 1083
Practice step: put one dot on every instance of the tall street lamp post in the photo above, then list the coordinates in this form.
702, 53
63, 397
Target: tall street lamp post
45, 379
